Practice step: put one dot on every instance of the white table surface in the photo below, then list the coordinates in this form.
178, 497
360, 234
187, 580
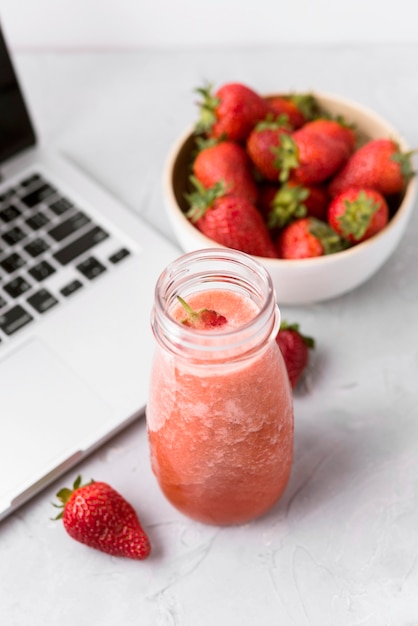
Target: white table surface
341, 547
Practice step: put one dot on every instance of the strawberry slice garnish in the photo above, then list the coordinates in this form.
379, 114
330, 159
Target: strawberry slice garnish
203, 319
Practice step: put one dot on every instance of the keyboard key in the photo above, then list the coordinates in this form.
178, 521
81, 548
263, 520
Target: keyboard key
14, 320
14, 235
36, 247
12, 263
81, 245
60, 206
9, 193
71, 288
33, 178
91, 268
41, 271
42, 301
17, 287
119, 255
37, 221
70, 226
10, 213
39, 195
2, 302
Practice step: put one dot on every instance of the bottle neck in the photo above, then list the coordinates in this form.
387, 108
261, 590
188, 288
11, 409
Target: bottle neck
205, 271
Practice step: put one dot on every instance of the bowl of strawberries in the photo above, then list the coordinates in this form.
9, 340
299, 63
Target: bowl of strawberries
318, 188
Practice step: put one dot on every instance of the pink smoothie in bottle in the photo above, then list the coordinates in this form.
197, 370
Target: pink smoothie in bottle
220, 426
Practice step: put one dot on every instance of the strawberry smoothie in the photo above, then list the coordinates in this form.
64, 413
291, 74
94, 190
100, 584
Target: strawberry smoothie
221, 435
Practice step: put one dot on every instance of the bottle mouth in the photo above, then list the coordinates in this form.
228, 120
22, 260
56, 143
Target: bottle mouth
212, 269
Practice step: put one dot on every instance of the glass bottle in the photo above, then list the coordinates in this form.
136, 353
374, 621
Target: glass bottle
220, 410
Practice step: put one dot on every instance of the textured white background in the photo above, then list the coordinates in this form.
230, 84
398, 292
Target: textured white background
341, 547
137, 23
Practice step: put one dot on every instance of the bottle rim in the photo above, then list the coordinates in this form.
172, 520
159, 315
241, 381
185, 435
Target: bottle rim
220, 269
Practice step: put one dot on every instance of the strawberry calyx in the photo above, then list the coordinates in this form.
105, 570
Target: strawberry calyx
340, 119
202, 198
287, 204
270, 122
202, 142
404, 160
306, 103
308, 341
330, 240
358, 213
65, 493
202, 319
286, 156
208, 106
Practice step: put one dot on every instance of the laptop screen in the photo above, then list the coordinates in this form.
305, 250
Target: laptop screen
16, 131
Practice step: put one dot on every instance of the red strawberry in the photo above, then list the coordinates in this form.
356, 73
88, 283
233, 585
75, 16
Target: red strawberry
203, 319
317, 200
292, 201
335, 129
266, 194
310, 157
379, 165
357, 214
231, 112
308, 237
98, 516
228, 162
299, 108
295, 350
230, 220
262, 143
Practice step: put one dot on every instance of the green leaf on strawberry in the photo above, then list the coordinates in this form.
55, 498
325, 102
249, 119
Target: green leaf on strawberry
404, 160
271, 122
208, 105
357, 215
307, 105
287, 157
202, 198
330, 240
308, 341
287, 204
202, 319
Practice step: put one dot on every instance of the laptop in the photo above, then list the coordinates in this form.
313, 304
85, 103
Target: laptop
77, 278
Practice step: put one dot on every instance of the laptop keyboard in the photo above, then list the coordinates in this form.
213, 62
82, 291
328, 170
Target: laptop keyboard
48, 251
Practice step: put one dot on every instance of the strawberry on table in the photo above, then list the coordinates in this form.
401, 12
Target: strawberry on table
295, 350
226, 161
98, 516
358, 214
308, 237
299, 108
230, 220
379, 164
262, 143
231, 112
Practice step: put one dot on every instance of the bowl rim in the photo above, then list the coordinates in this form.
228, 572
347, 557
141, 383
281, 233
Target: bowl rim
402, 212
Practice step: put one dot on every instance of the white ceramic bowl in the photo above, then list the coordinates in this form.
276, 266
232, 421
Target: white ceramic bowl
301, 281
